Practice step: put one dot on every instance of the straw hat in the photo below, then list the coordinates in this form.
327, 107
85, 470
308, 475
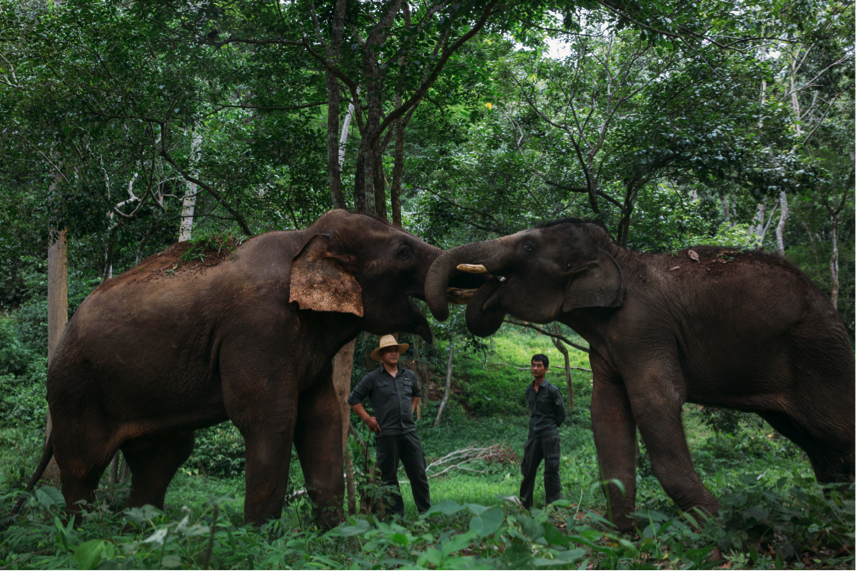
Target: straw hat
388, 341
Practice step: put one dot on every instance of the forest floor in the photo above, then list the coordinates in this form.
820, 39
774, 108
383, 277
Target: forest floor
774, 515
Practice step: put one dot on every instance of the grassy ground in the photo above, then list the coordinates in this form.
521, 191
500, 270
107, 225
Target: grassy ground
774, 514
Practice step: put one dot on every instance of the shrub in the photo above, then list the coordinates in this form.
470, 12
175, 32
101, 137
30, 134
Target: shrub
23, 374
219, 450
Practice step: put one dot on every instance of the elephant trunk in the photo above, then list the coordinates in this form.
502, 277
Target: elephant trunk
444, 269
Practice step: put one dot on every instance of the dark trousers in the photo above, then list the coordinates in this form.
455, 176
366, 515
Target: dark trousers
408, 449
535, 450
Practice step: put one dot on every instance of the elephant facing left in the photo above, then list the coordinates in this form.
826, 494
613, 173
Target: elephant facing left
156, 353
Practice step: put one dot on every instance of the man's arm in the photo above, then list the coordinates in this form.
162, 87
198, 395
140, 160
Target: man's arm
360, 392
561, 415
370, 421
416, 392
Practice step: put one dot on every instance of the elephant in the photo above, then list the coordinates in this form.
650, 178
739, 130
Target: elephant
708, 325
165, 349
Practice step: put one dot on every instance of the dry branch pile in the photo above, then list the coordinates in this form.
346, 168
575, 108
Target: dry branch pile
456, 460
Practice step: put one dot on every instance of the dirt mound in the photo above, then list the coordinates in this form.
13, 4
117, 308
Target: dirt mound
180, 258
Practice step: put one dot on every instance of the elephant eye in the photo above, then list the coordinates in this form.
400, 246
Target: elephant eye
405, 253
528, 247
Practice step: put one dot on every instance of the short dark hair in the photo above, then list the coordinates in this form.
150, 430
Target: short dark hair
542, 358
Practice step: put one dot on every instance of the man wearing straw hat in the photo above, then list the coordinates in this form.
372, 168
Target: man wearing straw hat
394, 392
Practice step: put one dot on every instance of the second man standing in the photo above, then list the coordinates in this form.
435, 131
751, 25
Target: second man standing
547, 409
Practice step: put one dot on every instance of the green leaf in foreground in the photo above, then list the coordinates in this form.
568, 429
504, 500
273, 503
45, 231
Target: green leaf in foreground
446, 507
487, 523
49, 496
88, 555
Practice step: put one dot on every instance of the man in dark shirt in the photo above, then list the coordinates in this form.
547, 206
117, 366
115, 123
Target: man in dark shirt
394, 392
547, 413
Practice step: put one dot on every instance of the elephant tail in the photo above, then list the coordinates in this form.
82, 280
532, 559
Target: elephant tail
43, 464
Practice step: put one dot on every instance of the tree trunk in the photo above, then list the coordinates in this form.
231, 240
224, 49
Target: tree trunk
377, 182
335, 154
342, 366
811, 242
780, 228
346, 125
334, 174
361, 203
448, 383
349, 480
564, 351
420, 377
725, 213
397, 167
833, 262
758, 227
57, 315
188, 204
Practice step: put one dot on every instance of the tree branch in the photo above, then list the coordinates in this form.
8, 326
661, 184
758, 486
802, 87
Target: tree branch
545, 332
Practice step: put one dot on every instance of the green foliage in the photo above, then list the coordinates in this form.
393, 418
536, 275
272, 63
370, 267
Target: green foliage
722, 420
23, 373
206, 244
219, 451
758, 528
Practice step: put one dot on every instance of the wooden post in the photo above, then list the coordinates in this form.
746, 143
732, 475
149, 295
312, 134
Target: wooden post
57, 315
342, 367
564, 351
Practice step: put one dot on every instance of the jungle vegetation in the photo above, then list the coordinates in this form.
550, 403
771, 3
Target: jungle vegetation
129, 125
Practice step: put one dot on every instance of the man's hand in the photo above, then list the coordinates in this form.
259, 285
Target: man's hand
372, 424
370, 421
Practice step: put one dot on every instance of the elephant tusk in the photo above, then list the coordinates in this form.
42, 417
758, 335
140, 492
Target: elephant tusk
459, 296
472, 268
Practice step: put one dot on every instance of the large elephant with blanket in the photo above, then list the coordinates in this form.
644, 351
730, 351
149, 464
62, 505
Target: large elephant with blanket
710, 325
171, 346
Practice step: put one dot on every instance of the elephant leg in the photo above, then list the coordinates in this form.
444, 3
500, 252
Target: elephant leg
832, 462
656, 402
615, 439
154, 462
83, 450
79, 485
268, 462
260, 395
318, 440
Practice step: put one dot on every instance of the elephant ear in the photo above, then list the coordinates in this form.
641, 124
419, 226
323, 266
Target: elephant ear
320, 283
597, 284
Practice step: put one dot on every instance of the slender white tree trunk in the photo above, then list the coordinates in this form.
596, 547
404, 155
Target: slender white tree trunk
344, 138
188, 205
448, 383
780, 228
833, 263
758, 227
725, 213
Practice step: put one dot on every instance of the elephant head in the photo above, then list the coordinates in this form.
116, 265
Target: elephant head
361, 265
536, 275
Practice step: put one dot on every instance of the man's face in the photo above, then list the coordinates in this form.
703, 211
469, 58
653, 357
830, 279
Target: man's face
538, 369
390, 356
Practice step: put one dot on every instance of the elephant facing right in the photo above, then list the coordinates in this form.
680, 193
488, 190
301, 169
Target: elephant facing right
710, 326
